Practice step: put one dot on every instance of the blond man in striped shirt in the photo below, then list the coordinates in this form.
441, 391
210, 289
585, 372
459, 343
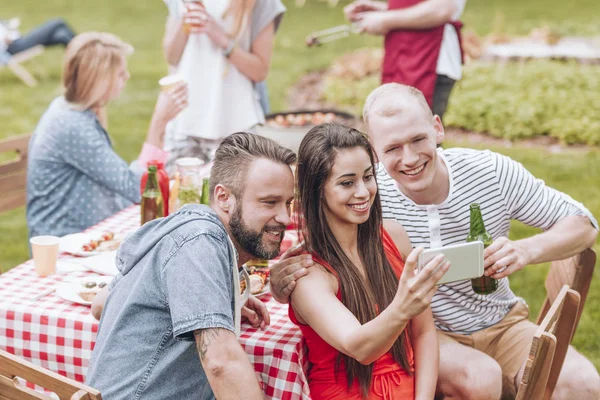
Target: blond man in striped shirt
484, 340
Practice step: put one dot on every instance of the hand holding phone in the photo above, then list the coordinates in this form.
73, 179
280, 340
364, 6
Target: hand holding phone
466, 261
415, 290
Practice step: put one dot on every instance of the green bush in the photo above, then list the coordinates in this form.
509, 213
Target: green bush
522, 100
513, 101
349, 95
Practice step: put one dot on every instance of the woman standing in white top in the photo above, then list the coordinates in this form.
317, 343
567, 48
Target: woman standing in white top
226, 49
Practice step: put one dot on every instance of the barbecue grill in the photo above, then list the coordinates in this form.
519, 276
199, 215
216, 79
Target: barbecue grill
291, 135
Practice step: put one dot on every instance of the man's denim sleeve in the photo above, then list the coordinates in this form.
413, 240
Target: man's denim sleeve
198, 286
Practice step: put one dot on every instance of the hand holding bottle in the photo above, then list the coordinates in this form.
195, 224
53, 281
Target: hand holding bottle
416, 289
504, 257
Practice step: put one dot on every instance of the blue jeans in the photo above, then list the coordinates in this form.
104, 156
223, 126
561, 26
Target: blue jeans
441, 94
51, 33
261, 88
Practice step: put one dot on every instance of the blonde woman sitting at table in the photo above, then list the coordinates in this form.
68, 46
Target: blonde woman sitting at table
75, 179
363, 311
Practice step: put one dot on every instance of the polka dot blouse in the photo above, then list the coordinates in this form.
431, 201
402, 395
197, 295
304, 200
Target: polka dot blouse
74, 177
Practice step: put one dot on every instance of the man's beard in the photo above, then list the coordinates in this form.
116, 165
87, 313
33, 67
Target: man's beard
251, 241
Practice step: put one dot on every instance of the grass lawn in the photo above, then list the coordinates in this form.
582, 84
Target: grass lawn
142, 24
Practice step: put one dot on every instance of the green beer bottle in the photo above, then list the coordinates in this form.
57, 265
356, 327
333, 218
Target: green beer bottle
483, 284
205, 198
152, 201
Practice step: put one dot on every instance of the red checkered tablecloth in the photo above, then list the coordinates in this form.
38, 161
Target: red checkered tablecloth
60, 335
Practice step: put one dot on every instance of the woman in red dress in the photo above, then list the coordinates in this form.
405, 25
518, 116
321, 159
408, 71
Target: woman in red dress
365, 317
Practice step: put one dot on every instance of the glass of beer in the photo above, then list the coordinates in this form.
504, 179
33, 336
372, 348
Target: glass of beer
189, 5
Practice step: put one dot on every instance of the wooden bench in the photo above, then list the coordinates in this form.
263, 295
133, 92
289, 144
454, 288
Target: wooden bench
577, 272
12, 367
567, 279
13, 173
549, 347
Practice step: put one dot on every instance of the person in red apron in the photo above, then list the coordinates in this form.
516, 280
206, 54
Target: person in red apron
422, 43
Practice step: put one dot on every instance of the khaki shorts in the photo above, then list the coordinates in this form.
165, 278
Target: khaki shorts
508, 342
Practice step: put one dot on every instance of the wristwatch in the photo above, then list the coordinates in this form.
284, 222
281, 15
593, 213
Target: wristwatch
229, 49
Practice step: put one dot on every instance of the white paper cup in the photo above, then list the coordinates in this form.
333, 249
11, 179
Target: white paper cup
45, 254
170, 81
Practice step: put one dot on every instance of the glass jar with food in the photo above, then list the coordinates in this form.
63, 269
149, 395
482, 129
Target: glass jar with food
189, 184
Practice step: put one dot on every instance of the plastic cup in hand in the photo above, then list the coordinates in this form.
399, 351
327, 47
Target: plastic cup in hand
45, 254
170, 81
189, 5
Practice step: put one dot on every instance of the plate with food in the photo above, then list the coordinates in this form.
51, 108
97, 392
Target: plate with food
307, 118
84, 290
258, 287
300, 119
258, 278
87, 244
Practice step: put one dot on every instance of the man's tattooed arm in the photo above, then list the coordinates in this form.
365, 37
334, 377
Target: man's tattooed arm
226, 364
204, 338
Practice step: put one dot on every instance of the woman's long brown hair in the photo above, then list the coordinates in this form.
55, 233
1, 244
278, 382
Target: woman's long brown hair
361, 296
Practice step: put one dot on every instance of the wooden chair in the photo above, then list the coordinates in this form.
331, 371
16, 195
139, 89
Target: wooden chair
12, 367
14, 63
549, 347
13, 174
577, 272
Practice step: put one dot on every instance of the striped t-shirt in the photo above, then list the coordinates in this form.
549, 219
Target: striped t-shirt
505, 190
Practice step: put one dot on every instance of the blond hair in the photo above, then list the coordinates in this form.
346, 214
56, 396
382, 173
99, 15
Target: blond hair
392, 108
240, 12
90, 70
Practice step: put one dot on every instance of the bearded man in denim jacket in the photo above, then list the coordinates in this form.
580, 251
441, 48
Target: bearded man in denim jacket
168, 329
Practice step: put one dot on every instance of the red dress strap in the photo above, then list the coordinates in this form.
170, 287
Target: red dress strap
393, 254
397, 263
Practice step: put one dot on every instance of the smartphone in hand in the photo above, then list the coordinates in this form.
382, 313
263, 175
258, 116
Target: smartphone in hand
466, 261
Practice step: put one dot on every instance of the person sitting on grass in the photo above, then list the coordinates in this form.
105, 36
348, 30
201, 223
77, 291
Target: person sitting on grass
51, 33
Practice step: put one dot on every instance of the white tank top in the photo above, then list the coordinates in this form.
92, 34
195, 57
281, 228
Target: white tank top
221, 99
